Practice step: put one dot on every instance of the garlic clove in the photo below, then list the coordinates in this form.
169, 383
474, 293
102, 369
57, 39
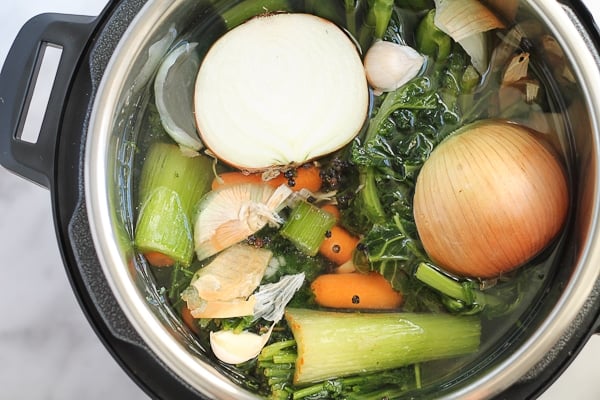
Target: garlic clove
236, 348
390, 65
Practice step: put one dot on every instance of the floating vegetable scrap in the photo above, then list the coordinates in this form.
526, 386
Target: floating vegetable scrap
173, 92
230, 214
466, 22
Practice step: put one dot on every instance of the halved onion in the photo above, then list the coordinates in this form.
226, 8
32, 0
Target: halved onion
280, 89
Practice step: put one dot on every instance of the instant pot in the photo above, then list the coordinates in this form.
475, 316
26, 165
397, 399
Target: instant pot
84, 155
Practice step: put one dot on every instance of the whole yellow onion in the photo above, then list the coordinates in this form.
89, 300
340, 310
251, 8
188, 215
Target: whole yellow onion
490, 198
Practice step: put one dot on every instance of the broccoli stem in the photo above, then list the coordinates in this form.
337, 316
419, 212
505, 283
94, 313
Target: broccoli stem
334, 344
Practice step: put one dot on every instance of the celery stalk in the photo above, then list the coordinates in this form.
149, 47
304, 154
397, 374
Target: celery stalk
171, 185
163, 226
334, 344
306, 227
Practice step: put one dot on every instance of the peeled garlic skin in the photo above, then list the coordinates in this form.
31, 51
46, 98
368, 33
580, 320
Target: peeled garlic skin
390, 65
489, 199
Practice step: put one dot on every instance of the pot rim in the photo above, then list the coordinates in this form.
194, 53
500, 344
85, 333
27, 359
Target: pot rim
204, 377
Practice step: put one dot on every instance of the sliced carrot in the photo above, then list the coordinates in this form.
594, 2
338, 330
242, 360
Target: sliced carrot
339, 245
356, 291
332, 209
304, 177
188, 319
157, 259
235, 177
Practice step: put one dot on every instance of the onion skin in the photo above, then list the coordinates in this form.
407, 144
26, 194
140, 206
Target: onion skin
489, 199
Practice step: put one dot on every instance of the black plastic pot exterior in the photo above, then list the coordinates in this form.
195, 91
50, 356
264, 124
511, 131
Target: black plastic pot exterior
57, 161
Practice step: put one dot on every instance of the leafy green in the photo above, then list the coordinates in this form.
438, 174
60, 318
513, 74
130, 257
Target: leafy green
391, 252
405, 127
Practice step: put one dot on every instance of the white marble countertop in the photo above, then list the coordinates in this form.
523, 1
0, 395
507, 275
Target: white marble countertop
47, 348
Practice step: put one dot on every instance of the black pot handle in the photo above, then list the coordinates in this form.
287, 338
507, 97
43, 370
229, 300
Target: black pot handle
34, 160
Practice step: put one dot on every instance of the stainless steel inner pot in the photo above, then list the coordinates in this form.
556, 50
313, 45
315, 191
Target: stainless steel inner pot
110, 151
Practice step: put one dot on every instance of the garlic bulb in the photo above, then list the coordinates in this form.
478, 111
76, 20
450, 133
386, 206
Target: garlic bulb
489, 199
390, 65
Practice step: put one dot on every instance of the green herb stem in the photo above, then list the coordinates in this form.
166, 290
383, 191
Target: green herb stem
442, 283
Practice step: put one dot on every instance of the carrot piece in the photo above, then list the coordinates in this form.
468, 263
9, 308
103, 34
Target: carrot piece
157, 259
188, 319
339, 245
304, 177
235, 177
332, 209
355, 291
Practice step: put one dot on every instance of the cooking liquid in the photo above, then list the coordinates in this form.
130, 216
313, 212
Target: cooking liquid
498, 332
